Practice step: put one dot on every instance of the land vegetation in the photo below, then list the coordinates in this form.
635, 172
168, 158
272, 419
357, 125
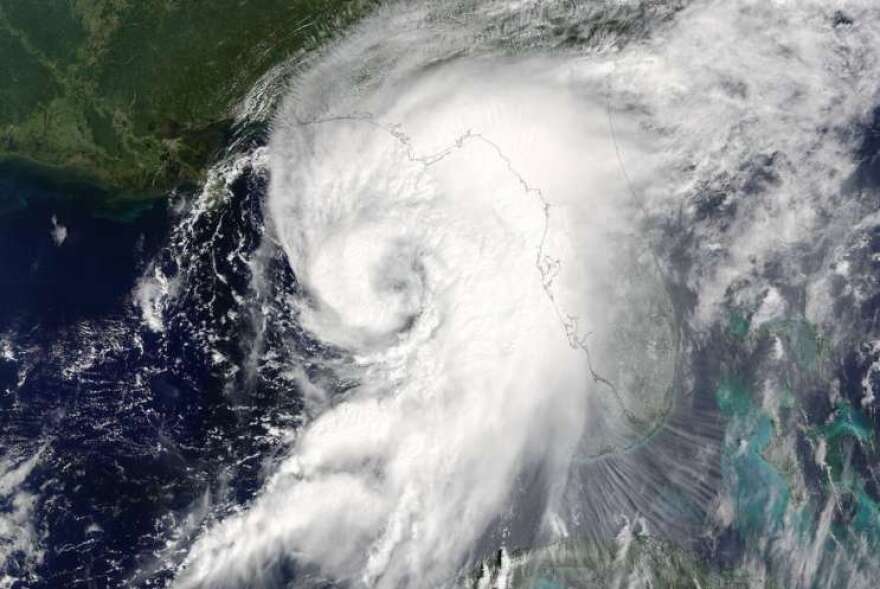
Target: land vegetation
139, 95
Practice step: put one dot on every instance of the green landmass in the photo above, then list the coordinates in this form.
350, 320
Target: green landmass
139, 95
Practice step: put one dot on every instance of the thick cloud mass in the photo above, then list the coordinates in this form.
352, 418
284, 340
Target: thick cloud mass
465, 206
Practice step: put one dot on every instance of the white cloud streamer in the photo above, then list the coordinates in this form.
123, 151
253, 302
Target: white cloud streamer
21, 548
460, 220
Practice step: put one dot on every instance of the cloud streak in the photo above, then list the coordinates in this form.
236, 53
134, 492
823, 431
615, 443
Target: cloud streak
464, 205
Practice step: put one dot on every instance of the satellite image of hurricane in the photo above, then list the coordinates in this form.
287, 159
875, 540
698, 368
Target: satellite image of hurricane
415, 294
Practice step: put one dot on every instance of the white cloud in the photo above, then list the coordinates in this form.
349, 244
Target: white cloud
20, 540
464, 221
59, 231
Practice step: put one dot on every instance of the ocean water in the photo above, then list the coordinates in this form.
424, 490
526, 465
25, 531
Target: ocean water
395, 339
65, 253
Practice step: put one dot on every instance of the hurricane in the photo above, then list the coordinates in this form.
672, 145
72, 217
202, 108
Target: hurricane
497, 218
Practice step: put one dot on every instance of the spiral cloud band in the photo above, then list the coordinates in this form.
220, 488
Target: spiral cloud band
467, 203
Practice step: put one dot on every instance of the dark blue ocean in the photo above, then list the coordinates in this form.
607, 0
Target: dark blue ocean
115, 438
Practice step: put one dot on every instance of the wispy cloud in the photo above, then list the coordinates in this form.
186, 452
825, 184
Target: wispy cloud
468, 228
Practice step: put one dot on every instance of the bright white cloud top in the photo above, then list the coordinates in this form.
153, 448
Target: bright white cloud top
472, 210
